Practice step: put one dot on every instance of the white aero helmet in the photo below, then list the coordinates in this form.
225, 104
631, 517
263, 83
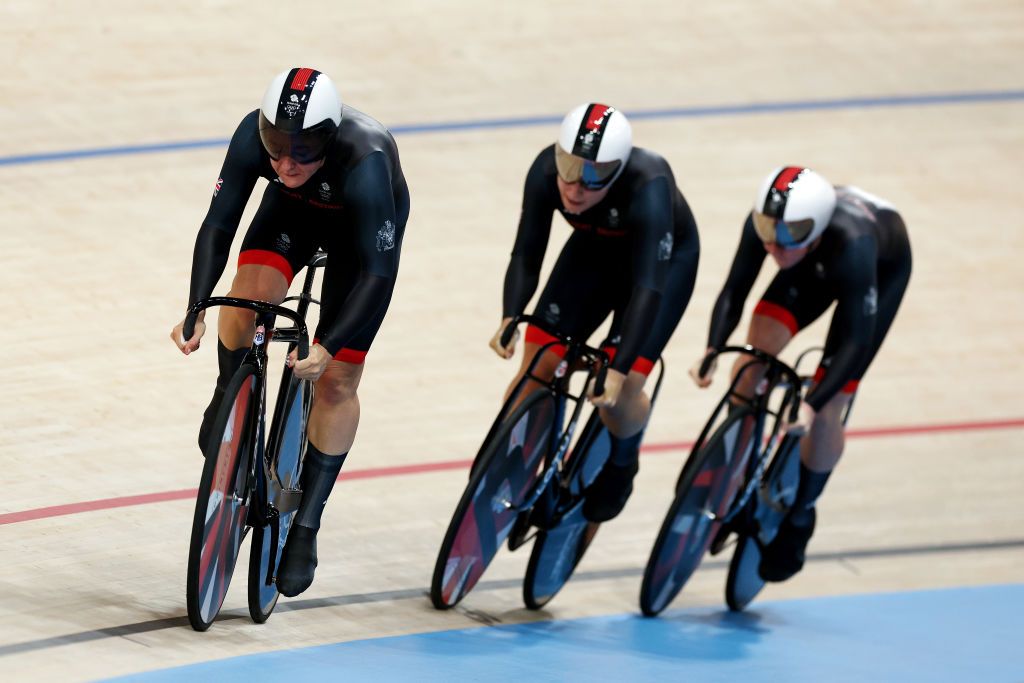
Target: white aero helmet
300, 115
593, 145
793, 207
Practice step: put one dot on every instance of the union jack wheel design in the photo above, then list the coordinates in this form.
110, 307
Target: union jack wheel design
222, 504
709, 483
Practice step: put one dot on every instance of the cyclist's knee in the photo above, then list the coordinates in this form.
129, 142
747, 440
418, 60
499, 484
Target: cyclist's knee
832, 412
339, 383
261, 283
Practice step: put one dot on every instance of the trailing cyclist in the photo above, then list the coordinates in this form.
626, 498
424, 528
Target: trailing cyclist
831, 244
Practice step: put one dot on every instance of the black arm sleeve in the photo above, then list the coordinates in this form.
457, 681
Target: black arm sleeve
523, 274
854, 319
237, 177
745, 266
652, 234
371, 209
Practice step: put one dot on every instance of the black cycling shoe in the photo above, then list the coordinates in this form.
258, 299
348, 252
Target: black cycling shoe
208, 417
605, 498
298, 561
785, 555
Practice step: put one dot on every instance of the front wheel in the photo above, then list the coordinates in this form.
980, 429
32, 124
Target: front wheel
506, 474
709, 483
222, 503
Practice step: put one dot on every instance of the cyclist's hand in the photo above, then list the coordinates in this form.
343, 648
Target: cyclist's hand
189, 345
505, 352
705, 381
613, 382
804, 420
313, 365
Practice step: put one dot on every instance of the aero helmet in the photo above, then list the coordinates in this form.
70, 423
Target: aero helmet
593, 145
300, 114
793, 207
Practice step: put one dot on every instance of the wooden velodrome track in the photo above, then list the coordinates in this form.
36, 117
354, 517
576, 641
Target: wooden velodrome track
98, 405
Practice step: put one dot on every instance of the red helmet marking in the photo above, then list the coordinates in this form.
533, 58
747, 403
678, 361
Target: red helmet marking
301, 79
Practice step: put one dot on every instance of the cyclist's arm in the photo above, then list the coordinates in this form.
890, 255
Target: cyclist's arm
750, 255
652, 234
854, 319
234, 185
371, 211
523, 274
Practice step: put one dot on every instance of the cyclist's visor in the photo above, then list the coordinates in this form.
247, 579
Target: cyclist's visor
304, 147
785, 234
593, 175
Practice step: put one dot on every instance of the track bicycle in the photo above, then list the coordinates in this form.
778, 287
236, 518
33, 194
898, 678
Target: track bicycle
251, 474
725, 470
524, 474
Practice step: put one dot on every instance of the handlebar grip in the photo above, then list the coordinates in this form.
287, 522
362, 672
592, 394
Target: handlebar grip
599, 381
303, 349
794, 410
506, 336
189, 328
705, 365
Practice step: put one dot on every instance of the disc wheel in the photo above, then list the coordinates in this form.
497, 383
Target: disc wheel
506, 474
709, 483
222, 502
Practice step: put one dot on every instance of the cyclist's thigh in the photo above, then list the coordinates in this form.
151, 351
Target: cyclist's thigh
583, 286
281, 237
682, 275
795, 298
892, 284
341, 275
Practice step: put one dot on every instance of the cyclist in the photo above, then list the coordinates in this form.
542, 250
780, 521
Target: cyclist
831, 244
633, 251
335, 182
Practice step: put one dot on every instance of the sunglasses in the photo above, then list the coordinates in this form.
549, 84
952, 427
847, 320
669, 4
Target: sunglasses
785, 234
593, 175
304, 147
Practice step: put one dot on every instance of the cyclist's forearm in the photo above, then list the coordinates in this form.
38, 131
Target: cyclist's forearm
209, 258
520, 283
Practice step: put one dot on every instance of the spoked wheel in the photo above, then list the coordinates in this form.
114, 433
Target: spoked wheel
709, 483
557, 551
285, 455
778, 492
222, 503
508, 470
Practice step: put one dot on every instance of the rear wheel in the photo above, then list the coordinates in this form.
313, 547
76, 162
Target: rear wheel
557, 551
508, 470
708, 485
222, 503
284, 453
744, 581
775, 499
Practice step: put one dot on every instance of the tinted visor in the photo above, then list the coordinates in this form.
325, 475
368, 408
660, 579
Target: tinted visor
593, 175
786, 235
304, 147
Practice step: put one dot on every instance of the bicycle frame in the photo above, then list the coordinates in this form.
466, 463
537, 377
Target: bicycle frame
595, 361
260, 479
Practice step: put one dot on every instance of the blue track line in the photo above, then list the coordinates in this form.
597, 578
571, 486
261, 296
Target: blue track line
527, 121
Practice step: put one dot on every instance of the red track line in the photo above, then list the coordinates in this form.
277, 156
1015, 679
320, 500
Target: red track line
377, 472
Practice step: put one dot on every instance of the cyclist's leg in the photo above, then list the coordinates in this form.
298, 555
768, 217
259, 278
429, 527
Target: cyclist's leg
626, 420
822, 448
333, 421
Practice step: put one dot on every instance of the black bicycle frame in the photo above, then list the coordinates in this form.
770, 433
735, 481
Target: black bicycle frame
595, 362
